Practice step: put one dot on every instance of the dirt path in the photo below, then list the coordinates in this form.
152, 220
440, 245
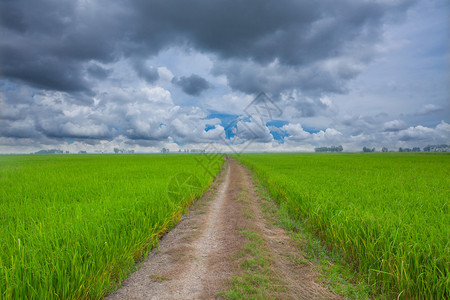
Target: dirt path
197, 259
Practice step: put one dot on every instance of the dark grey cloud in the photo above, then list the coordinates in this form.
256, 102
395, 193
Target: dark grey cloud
193, 85
19, 130
148, 73
295, 32
273, 45
43, 72
98, 71
47, 44
74, 66
365, 124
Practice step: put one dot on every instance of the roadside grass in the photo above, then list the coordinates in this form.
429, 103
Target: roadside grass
256, 279
333, 271
385, 213
158, 278
74, 226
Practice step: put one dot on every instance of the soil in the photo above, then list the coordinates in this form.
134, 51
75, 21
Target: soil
195, 259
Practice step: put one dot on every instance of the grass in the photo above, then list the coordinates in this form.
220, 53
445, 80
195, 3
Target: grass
333, 272
73, 226
158, 278
386, 214
255, 278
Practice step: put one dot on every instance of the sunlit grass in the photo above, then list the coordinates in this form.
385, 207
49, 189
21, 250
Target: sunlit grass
386, 213
73, 226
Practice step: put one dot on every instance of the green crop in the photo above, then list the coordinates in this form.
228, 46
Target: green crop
387, 213
73, 226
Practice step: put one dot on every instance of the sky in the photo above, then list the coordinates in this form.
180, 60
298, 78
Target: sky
223, 75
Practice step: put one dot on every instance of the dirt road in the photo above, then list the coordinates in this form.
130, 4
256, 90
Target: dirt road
199, 258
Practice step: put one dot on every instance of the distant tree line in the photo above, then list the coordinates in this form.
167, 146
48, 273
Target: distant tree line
429, 148
329, 149
51, 151
365, 149
437, 148
117, 151
415, 149
186, 150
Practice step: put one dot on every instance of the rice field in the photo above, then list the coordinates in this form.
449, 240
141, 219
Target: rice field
388, 214
73, 226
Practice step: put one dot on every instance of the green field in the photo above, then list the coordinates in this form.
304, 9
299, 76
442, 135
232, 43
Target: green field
72, 226
388, 214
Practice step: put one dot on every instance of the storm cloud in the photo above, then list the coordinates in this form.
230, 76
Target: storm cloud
193, 85
319, 45
105, 72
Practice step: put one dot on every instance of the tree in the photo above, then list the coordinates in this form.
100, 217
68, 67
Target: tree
329, 149
384, 149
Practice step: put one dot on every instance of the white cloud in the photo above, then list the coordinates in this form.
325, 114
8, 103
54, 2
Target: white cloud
439, 134
165, 74
429, 108
296, 132
394, 125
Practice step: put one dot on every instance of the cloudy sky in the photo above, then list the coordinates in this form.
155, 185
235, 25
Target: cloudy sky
146, 74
